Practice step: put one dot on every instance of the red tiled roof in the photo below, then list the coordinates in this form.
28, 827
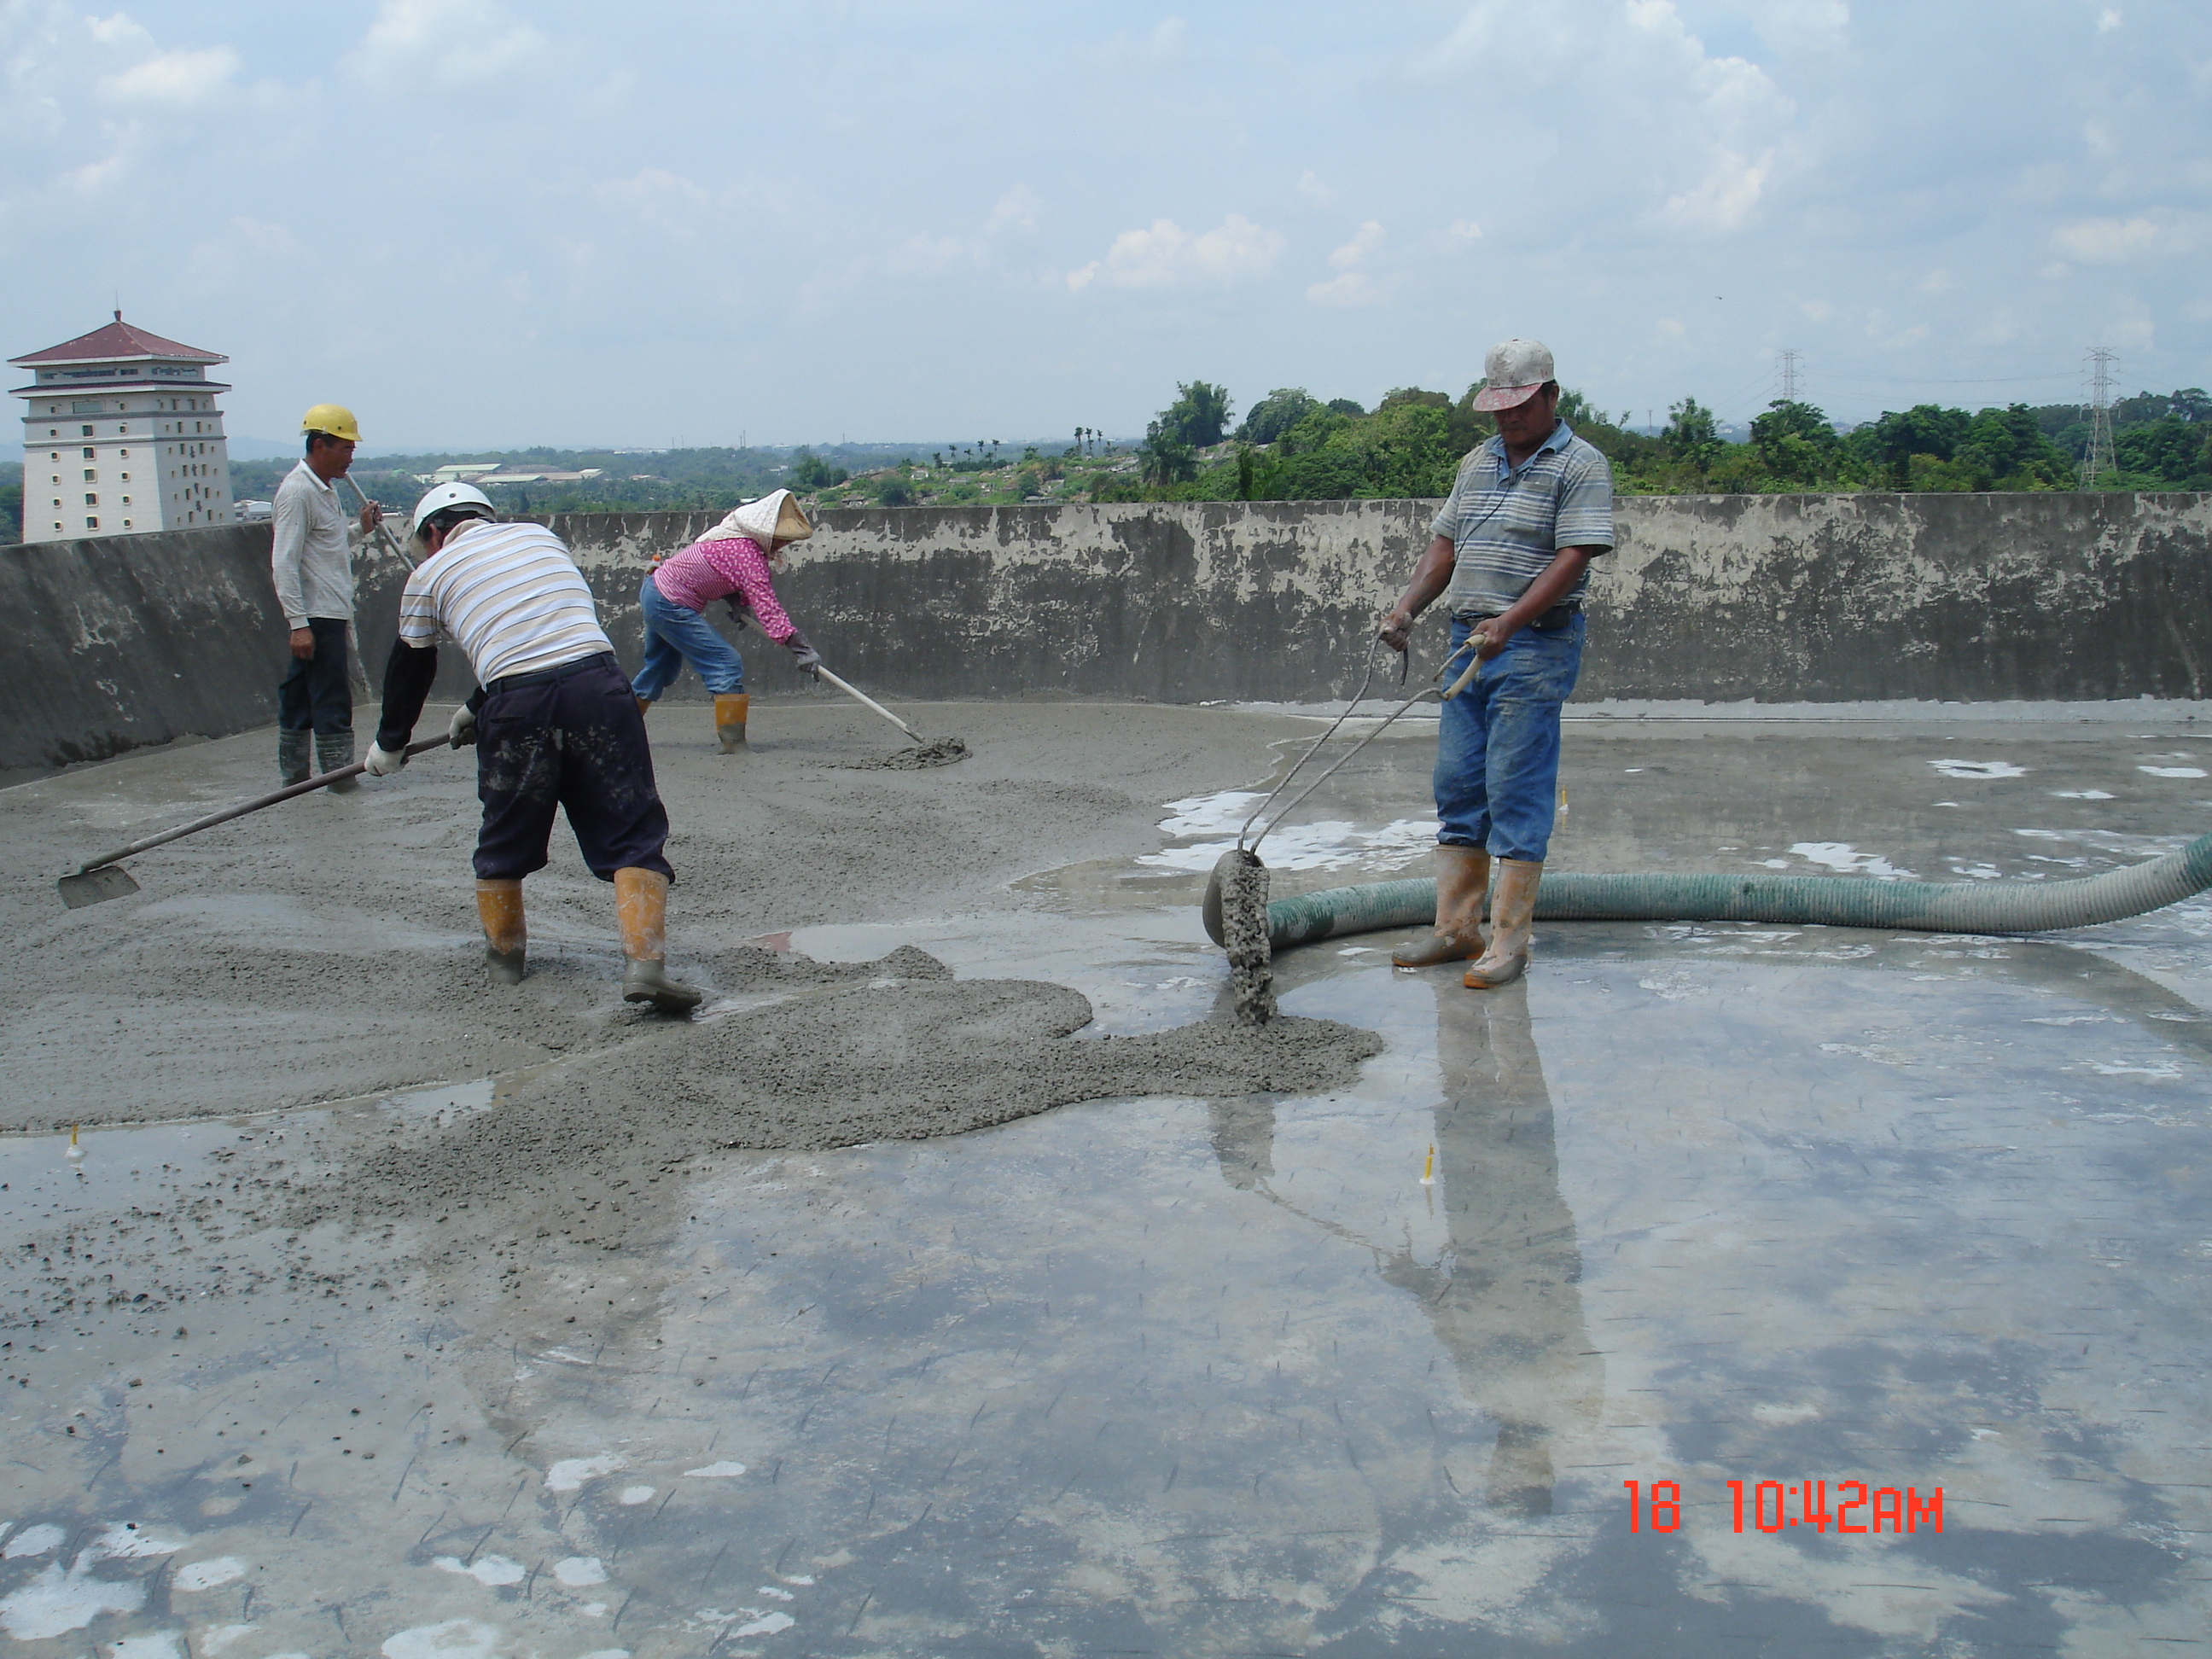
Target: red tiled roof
119, 339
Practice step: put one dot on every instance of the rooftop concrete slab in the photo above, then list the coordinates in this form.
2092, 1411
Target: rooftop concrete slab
1805, 1209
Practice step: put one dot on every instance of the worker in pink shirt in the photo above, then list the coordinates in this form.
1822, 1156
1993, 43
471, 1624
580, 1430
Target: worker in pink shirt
730, 562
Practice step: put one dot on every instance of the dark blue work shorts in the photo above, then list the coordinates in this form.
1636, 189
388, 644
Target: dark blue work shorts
576, 743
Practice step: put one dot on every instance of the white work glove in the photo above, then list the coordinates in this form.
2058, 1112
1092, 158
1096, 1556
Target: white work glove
461, 730
383, 762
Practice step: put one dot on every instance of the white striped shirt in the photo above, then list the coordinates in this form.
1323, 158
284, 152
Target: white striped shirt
509, 595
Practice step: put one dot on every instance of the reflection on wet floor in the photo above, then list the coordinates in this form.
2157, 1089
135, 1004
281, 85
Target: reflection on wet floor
1710, 1205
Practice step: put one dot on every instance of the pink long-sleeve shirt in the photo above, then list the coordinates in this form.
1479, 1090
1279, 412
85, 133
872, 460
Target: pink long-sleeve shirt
707, 571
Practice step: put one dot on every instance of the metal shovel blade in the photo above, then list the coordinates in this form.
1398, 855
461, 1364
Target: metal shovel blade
110, 881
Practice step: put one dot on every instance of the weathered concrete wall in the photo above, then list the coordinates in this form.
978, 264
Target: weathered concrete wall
1772, 598
129, 639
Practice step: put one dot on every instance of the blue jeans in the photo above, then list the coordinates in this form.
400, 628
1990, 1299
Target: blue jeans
1498, 743
675, 635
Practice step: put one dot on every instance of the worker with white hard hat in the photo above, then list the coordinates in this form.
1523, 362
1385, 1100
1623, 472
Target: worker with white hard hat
312, 564
730, 561
1509, 554
553, 723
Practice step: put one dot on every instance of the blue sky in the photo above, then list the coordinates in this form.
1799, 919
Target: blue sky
489, 223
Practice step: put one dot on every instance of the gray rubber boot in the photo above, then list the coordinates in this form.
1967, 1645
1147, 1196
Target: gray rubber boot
291, 757
332, 750
648, 981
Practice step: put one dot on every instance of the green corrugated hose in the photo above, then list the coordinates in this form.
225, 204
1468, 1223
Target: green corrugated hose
1992, 907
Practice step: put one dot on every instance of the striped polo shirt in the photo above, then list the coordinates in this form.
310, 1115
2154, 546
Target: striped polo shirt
509, 595
1507, 524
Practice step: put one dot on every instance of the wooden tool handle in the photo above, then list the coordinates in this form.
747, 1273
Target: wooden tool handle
308, 787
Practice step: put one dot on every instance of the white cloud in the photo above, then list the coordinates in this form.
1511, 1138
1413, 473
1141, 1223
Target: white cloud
1163, 45
183, 79
665, 201
1707, 133
1802, 24
1353, 284
1725, 198
1360, 249
1015, 210
445, 45
2107, 241
1315, 189
2129, 326
1165, 255
1463, 230
2108, 19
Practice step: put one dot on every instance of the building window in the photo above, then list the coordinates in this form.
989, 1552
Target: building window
92, 501
90, 453
126, 477
92, 474
85, 430
126, 501
126, 523
92, 524
126, 454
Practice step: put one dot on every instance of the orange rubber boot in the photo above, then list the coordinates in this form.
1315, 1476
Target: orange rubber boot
730, 720
641, 908
499, 907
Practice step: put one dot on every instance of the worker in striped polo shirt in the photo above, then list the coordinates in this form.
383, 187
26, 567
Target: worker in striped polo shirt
1509, 554
553, 720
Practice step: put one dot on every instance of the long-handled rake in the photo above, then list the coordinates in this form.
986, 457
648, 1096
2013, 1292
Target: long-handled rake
98, 880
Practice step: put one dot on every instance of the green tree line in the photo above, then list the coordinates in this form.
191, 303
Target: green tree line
1291, 446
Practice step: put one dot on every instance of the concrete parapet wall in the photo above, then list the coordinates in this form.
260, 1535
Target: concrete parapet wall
127, 641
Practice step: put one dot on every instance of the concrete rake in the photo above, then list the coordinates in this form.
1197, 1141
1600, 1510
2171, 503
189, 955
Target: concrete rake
98, 880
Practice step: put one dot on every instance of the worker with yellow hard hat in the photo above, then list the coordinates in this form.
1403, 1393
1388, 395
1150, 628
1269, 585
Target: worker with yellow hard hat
312, 562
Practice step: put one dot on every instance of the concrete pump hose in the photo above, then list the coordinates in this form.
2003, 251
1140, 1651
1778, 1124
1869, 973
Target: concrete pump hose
1995, 907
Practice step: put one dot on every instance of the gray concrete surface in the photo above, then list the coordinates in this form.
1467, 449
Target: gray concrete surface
1205, 1374
1708, 600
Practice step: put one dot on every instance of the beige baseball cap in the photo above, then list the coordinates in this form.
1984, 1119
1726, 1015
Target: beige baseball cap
1514, 372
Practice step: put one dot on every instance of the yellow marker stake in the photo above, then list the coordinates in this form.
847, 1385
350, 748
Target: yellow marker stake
75, 1151
1429, 1169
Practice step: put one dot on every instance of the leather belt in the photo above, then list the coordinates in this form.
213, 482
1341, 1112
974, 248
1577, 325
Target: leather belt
1557, 617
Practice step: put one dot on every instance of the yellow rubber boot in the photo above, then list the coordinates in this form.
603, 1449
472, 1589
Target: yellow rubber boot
641, 908
1462, 884
644, 706
1512, 909
499, 907
730, 720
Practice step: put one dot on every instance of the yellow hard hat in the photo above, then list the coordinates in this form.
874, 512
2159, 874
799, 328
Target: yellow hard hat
332, 419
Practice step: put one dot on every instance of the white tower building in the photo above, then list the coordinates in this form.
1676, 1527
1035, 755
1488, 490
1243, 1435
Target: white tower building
122, 435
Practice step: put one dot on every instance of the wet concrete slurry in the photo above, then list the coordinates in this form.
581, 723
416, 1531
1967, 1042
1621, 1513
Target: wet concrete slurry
1192, 1376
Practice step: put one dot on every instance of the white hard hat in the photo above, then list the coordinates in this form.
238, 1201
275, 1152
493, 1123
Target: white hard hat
450, 495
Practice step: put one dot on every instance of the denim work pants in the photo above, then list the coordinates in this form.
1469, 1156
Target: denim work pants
1498, 743
317, 694
675, 635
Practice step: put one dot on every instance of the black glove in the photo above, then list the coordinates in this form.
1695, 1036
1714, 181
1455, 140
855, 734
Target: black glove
740, 615
803, 657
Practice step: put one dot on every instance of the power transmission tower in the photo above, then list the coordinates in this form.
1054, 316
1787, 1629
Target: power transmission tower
1789, 377
2100, 459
